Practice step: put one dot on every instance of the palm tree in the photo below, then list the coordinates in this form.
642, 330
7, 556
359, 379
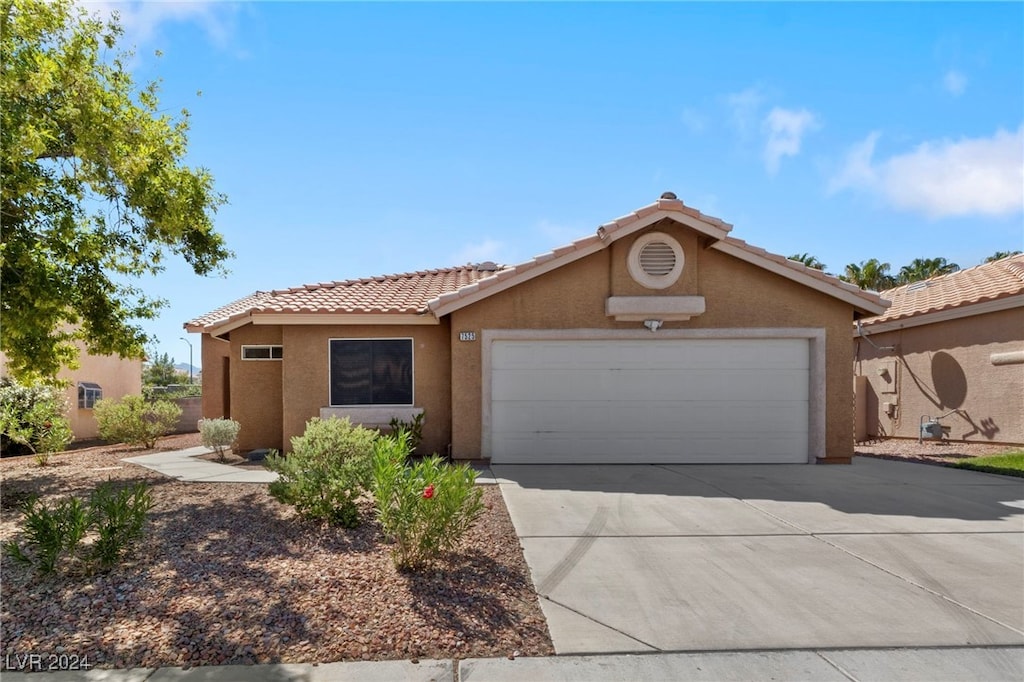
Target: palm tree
870, 274
808, 260
925, 268
999, 255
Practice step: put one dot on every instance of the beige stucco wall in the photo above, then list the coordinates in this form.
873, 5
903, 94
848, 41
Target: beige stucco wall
737, 295
117, 377
216, 359
946, 366
256, 391
307, 375
273, 400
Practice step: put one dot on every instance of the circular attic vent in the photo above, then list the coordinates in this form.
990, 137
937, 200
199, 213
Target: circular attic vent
655, 260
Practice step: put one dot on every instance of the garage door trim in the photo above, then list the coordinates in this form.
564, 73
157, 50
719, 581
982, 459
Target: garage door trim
814, 336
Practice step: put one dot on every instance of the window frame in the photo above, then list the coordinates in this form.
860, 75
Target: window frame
370, 339
89, 393
271, 348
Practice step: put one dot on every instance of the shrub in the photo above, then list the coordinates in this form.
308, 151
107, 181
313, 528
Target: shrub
33, 419
413, 428
118, 518
134, 421
329, 467
425, 508
53, 534
218, 434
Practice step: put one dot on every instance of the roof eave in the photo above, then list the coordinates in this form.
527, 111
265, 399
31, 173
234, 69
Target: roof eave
942, 315
606, 234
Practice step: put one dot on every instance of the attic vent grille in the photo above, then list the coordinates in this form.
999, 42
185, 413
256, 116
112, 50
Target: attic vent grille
657, 259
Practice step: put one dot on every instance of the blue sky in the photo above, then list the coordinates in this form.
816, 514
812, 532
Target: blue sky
362, 139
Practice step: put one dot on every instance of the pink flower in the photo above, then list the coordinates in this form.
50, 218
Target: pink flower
428, 492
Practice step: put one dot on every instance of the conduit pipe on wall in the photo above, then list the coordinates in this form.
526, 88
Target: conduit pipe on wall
860, 333
1015, 357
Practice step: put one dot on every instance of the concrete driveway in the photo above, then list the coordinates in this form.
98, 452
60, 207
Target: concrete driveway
700, 557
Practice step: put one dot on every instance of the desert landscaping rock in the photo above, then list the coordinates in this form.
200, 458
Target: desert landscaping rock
227, 575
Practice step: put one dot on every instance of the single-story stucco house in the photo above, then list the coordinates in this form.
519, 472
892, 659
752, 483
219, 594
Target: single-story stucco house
950, 347
658, 338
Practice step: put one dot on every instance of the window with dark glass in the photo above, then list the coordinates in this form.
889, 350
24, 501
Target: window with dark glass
88, 394
371, 372
262, 352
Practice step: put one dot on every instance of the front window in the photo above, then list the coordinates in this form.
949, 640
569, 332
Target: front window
371, 372
88, 394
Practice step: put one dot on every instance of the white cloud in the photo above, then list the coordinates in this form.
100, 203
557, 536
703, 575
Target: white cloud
744, 108
955, 82
142, 20
944, 178
785, 129
479, 252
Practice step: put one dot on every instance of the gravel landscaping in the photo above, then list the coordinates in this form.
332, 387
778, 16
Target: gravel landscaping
930, 452
228, 575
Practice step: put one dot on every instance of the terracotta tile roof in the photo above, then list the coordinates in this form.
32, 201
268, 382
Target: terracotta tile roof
228, 312
986, 282
643, 217
440, 291
405, 293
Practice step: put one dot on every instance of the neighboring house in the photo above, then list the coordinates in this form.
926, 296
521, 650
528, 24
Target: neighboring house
98, 376
658, 338
951, 345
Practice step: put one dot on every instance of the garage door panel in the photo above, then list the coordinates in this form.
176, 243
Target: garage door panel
694, 354
643, 417
650, 384
659, 400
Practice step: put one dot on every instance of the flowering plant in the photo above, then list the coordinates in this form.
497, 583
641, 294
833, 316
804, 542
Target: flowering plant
425, 508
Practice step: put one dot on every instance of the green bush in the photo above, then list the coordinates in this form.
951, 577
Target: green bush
32, 419
55, 534
218, 434
329, 467
425, 508
135, 421
118, 518
413, 428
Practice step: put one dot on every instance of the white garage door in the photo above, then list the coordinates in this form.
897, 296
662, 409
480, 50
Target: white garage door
658, 400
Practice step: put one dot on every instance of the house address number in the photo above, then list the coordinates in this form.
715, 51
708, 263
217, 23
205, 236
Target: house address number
467, 336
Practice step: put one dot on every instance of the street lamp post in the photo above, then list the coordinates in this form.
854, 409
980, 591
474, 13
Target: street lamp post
189, 359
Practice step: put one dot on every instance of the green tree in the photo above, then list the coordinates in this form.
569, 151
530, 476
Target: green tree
925, 268
999, 255
160, 372
95, 190
871, 274
808, 260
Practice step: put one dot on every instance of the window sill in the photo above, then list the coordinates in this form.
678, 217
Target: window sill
371, 416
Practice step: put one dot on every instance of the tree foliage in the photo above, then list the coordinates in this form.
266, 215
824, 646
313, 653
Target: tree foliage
999, 255
160, 372
808, 260
925, 268
95, 190
871, 274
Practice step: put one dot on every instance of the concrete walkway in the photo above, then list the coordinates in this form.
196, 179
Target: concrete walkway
185, 465
993, 664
